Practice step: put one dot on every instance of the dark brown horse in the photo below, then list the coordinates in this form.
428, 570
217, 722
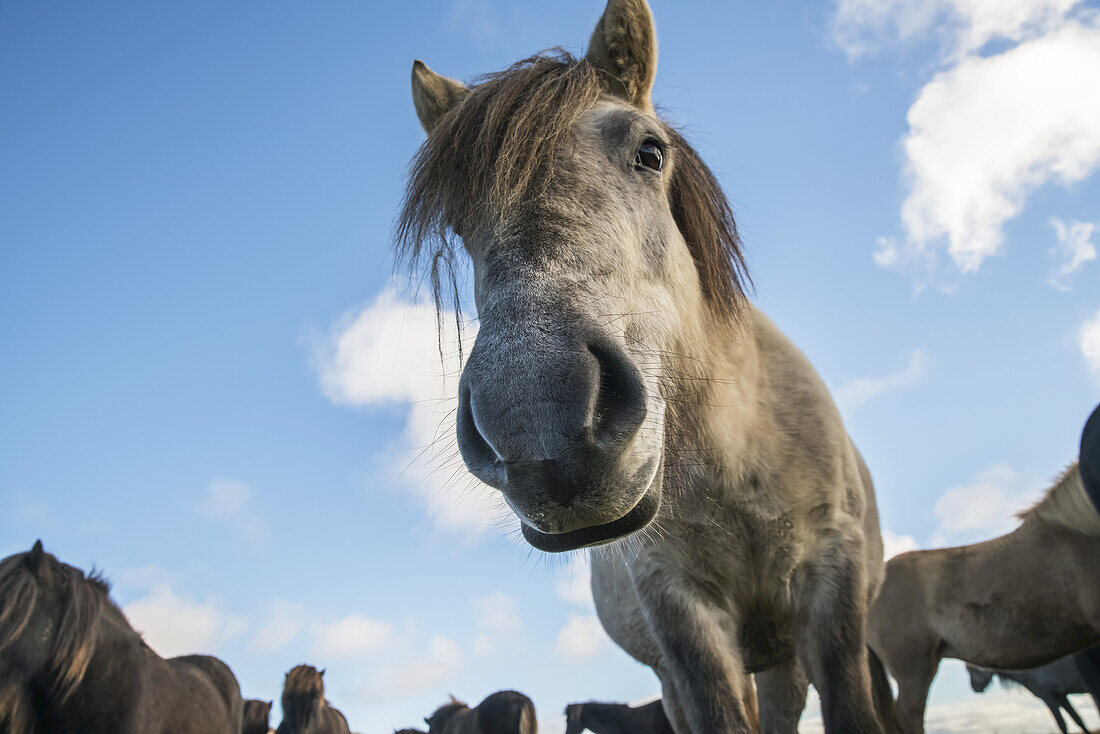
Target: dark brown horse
257, 717
70, 661
617, 718
305, 710
503, 712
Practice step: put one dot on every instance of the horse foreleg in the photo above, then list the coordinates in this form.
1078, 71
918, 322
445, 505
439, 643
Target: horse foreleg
700, 664
781, 693
832, 641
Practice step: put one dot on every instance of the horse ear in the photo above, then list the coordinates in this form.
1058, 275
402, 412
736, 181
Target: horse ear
453, 699
36, 557
624, 44
433, 94
427, 721
322, 673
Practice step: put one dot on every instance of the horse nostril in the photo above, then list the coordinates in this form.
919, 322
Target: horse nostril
478, 454
619, 407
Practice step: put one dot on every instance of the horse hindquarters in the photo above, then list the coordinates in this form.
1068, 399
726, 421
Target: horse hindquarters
208, 694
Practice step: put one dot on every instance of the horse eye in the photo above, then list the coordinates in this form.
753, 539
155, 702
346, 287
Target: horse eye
650, 156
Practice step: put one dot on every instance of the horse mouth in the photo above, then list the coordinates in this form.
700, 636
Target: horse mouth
637, 518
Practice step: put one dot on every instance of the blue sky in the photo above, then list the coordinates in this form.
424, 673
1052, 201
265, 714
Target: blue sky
212, 391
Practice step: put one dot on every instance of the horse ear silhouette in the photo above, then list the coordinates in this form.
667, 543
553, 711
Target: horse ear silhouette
322, 673
624, 44
453, 699
427, 721
36, 556
433, 94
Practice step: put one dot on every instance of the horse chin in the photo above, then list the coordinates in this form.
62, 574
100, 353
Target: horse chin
643, 512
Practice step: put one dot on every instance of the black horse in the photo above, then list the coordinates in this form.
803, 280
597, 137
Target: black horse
70, 661
257, 717
305, 710
1088, 662
1052, 684
503, 712
617, 718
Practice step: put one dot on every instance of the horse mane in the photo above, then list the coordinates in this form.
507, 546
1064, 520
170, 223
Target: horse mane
85, 598
497, 149
1067, 504
303, 696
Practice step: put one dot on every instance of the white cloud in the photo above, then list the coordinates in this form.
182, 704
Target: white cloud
231, 501
581, 639
1089, 341
173, 625
575, 583
387, 354
443, 661
859, 391
859, 27
988, 129
893, 544
986, 133
1075, 248
498, 622
985, 506
283, 625
352, 636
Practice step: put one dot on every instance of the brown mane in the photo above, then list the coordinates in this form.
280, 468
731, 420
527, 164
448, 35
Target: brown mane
496, 149
75, 632
303, 696
1067, 504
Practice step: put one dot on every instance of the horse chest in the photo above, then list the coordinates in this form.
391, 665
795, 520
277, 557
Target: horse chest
750, 571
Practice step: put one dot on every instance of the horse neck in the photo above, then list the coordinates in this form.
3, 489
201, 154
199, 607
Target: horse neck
111, 679
714, 410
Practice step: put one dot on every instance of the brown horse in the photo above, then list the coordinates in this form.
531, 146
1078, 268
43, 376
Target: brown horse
503, 712
305, 710
622, 389
70, 661
257, 717
1015, 602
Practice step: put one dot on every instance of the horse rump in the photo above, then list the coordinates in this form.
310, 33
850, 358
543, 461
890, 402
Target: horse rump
507, 712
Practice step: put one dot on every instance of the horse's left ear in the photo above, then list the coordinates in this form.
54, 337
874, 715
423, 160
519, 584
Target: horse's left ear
322, 673
624, 44
433, 94
35, 557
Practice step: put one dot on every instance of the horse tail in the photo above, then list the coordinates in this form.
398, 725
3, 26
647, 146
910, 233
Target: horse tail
528, 724
882, 694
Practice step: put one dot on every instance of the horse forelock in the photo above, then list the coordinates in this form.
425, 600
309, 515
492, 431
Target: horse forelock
1067, 504
497, 149
303, 695
83, 601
